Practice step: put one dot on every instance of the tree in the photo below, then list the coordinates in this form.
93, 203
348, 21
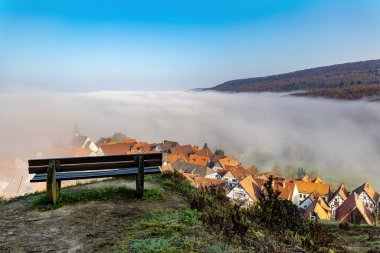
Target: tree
205, 146
301, 172
119, 137
290, 171
277, 169
219, 152
277, 213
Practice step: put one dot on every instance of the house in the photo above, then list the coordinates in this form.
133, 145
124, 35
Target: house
353, 210
170, 159
198, 181
368, 196
116, 148
137, 146
233, 174
309, 200
189, 168
245, 192
305, 178
186, 150
306, 188
167, 168
214, 175
317, 180
229, 160
205, 152
252, 171
290, 192
84, 142
337, 198
165, 146
318, 209
199, 160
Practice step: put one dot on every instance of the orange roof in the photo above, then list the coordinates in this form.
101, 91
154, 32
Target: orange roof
237, 171
318, 207
369, 190
198, 160
173, 158
198, 181
340, 191
229, 160
216, 158
351, 204
138, 145
252, 171
115, 149
130, 141
251, 187
205, 152
287, 191
306, 187
317, 180
305, 178
185, 150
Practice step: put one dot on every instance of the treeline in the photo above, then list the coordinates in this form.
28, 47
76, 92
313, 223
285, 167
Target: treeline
347, 93
330, 77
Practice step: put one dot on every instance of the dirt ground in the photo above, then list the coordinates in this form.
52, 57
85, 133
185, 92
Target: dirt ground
80, 227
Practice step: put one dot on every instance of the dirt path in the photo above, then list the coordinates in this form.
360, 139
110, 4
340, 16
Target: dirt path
73, 228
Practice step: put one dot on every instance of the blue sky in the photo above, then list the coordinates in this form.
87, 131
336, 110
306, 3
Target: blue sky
176, 45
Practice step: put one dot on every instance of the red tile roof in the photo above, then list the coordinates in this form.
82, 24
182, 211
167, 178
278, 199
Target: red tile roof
369, 190
237, 171
185, 150
252, 171
340, 191
198, 160
229, 160
352, 203
252, 187
115, 149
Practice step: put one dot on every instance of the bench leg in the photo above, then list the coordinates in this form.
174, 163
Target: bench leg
140, 178
53, 186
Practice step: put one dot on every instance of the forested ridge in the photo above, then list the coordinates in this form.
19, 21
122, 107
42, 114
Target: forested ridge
352, 80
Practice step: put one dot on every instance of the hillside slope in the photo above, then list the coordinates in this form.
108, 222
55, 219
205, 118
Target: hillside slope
336, 76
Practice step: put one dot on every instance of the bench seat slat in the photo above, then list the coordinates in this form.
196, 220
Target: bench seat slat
94, 166
62, 176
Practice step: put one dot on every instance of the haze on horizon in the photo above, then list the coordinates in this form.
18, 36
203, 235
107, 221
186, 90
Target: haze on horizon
76, 46
339, 139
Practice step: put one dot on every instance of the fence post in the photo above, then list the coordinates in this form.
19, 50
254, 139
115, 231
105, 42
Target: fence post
52, 186
140, 177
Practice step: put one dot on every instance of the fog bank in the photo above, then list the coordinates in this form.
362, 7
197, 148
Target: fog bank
340, 139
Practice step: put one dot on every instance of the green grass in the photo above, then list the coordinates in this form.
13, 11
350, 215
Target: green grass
105, 193
357, 237
171, 230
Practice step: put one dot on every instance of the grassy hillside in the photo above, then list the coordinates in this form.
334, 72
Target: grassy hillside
336, 76
172, 217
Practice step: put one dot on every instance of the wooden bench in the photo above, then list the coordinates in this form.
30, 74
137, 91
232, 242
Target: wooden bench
54, 170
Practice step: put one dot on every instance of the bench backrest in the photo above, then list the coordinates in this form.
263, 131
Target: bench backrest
96, 162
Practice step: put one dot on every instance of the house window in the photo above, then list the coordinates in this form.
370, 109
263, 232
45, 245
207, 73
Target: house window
300, 195
336, 203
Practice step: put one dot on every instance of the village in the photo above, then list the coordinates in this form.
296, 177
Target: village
315, 199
